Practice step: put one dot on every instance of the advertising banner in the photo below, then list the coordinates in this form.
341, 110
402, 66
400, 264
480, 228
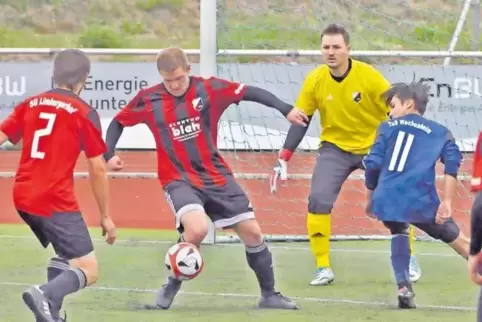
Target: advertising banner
455, 98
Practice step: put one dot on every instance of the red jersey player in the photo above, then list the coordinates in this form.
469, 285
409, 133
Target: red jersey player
475, 256
183, 113
55, 126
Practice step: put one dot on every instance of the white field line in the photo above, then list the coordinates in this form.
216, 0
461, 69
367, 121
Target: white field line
237, 175
166, 242
254, 296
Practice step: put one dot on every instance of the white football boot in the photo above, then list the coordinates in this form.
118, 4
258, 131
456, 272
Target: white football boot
324, 276
415, 272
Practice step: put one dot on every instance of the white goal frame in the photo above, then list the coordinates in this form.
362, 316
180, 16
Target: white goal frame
209, 52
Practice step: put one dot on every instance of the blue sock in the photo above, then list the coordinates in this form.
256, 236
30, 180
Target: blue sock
401, 259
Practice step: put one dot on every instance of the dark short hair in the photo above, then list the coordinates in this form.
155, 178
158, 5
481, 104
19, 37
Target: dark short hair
416, 91
71, 67
336, 29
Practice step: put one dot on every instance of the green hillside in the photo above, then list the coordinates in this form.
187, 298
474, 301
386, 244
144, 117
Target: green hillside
242, 24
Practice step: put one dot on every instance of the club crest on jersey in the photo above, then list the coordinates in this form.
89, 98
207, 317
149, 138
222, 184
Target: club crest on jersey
198, 104
356, 97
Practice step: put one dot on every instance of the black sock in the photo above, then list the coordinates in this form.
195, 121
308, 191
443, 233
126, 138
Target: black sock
260, 260
70, 281
171, 279
56, 267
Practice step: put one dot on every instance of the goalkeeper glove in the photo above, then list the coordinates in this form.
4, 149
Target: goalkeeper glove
280, 171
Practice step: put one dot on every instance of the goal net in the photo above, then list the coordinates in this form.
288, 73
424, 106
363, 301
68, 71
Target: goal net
252, 134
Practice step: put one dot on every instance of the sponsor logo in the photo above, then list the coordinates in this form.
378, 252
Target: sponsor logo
13, 87
186, 129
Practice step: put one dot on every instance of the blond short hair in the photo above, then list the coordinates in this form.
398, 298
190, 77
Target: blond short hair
171, 59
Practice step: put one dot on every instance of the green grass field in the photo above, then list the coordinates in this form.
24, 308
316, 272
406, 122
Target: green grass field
227, 290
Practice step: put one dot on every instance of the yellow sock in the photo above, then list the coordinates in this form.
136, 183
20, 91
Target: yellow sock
411, 238
319, 230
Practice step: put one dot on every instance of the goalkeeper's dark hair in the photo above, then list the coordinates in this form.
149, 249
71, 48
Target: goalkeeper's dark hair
336, 29
71, 67
416, 91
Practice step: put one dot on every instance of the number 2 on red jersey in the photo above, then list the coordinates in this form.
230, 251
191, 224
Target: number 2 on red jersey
40, 133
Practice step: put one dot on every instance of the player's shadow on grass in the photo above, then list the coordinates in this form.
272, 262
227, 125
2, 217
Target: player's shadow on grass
188, 308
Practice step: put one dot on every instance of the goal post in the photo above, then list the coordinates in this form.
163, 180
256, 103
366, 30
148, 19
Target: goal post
420, 48
253, 134
273, 45
250, 135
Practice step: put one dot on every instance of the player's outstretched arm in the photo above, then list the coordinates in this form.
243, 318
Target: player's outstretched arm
451, 158
100, 188
295, 134
11, 128
99, 183
307, 103
231, 92
262, 96
114, 132
134, 113
94, 147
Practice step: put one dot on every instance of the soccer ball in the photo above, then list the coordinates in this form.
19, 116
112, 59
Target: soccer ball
184, 261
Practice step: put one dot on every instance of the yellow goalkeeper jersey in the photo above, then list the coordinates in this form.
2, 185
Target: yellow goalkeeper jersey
350, 110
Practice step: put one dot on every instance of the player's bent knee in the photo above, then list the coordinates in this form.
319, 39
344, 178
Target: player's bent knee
319, 205
448, 232
321, 201
249, 232
397, 228
195, 225
88, 264
322, 198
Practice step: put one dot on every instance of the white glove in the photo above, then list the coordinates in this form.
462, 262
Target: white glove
280, 171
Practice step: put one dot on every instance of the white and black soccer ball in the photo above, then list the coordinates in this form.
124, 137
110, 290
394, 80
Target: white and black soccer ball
184, 261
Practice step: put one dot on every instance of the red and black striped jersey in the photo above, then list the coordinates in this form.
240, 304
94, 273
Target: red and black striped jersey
185, 128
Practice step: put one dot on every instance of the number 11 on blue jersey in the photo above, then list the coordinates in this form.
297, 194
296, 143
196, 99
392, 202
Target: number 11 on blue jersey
402, 148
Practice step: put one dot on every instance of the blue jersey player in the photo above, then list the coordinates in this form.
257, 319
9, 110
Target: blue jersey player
400, 176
